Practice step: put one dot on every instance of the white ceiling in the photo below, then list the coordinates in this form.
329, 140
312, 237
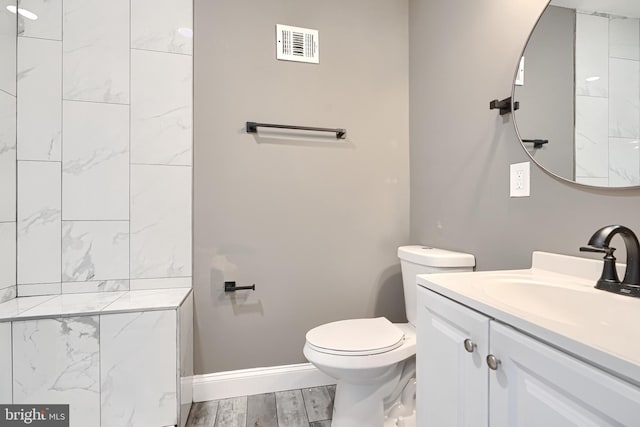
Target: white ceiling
629, 8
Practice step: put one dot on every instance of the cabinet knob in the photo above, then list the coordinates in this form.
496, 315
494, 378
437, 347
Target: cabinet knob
493, 362
469, 345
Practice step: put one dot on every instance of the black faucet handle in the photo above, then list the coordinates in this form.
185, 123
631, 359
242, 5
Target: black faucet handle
609, 279
605, 250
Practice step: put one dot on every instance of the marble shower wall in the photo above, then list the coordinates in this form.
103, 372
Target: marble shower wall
104, 147
607, 139
8, 101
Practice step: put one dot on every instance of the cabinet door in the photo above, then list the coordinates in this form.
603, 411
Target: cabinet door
537, 385
452, 382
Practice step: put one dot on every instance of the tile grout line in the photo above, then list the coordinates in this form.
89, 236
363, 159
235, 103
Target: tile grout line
246, 410
158, 164
15, 247
13, 361
161, 51
192, 145
93, 102
304, 406
275, 402
215, 420
129, 150
40, 161
62, 158
39, 38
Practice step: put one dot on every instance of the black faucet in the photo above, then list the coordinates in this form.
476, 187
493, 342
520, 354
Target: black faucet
609, 281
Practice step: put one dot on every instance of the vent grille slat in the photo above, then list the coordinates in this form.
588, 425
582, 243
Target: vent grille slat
286, 42
298, 44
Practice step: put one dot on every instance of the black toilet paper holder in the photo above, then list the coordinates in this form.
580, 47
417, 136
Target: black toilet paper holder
231, 287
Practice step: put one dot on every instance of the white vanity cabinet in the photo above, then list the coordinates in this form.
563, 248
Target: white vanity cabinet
534, 384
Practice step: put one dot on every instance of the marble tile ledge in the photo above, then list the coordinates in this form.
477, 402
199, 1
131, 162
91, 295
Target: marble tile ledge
68, 305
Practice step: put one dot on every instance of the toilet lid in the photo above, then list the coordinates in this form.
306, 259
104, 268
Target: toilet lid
356, 337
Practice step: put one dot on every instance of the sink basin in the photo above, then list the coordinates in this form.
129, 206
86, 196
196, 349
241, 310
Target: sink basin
555, 298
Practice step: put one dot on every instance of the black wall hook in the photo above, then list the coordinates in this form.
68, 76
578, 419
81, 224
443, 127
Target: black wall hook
231, 287
504, 105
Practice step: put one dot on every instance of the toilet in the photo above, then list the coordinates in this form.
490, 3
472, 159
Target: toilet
373, 360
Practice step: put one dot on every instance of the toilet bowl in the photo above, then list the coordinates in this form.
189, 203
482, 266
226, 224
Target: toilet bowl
373, 360
366, 373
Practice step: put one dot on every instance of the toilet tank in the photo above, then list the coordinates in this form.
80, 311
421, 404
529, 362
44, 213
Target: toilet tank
419, 259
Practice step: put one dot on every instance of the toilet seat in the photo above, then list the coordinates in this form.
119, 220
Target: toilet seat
356, 337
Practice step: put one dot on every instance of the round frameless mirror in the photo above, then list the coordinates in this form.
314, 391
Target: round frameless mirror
578, 90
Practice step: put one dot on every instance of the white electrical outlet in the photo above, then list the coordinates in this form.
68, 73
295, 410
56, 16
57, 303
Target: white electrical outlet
519, 180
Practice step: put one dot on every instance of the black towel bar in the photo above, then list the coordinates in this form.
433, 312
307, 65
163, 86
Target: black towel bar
252, 127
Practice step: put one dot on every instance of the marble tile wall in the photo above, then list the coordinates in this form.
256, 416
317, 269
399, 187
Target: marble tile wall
39, 100
6, 388
58, 361
8, 106
8, 30
39, 223
607, 143
104, 147
123, 402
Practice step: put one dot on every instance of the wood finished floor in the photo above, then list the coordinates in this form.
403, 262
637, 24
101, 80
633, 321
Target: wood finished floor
308, 407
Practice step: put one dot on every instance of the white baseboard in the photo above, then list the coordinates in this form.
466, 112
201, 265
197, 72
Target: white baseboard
246, 382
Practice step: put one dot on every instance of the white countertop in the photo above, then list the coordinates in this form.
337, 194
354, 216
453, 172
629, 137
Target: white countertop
68, 305
556, 302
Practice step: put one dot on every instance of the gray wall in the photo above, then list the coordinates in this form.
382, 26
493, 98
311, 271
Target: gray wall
547, 96
463, 54
313, 223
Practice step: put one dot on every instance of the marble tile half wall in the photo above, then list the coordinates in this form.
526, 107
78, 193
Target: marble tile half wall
103, 157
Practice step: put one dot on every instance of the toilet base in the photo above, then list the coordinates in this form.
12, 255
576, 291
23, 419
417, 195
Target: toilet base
358, 405
402, 413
